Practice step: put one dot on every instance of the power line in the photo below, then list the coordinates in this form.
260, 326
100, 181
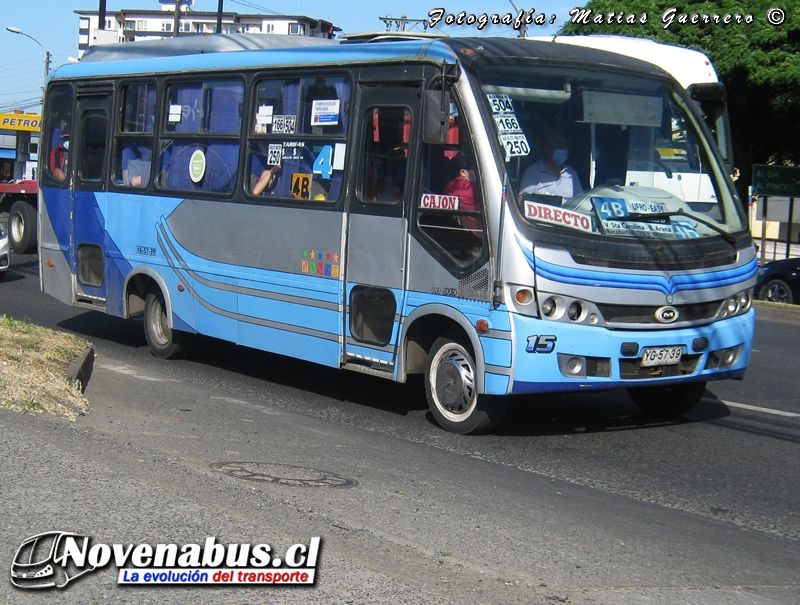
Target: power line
255, 6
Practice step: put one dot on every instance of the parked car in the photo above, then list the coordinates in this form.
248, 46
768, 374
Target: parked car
779, 281
5, 259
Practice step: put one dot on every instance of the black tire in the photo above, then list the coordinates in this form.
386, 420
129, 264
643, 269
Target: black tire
776, 290
452, 394
22, 227
666, 401
164, 342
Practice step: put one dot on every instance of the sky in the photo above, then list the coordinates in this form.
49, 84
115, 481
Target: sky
54, 24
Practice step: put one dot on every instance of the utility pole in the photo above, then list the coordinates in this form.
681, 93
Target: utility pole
219, 17
101, 15
523, 27
177, 22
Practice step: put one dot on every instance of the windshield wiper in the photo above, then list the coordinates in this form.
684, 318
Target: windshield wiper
639, 216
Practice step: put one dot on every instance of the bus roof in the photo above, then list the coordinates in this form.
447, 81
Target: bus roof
161, 57
194, 45
686, 65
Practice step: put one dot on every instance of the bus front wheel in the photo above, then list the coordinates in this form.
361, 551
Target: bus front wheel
668, 400
450, 385
164, 342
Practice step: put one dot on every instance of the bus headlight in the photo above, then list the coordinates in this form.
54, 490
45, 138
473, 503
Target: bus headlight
549, 307
736, 305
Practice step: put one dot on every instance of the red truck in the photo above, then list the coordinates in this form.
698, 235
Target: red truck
19, 201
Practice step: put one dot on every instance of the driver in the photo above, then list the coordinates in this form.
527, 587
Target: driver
551, 175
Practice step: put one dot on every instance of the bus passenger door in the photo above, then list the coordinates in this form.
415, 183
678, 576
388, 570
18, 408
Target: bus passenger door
378, 223
88, 146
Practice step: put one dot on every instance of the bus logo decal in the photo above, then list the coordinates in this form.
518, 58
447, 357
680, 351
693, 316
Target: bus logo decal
667, 315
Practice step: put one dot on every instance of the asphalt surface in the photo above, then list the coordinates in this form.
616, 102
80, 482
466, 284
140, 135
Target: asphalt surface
576, 499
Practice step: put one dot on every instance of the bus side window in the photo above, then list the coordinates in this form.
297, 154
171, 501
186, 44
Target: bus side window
204, 120
297, 138
133, 154
59, 124
386, 153
451, 210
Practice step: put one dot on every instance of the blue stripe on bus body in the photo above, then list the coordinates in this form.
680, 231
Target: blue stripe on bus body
574, 386
638, 281
180, 267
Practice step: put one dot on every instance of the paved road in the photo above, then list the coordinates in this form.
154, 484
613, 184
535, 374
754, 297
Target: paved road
576, 497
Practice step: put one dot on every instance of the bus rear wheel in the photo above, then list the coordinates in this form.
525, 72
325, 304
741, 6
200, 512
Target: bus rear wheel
452, 393
667, 401
164, 342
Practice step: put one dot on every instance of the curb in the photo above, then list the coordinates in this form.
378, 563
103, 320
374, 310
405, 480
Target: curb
80, 369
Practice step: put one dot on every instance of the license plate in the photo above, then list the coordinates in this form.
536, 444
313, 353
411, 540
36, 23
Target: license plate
661, 356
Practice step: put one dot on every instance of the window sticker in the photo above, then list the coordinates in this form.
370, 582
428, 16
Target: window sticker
507, 123
325, 112
274, 154
515, 144
433, 201
611, 210
323, 165
557, 216
301, 186
263, 119
615, 215
293, 150
500, 103
197, 166
175, 112
339, 150
284, 124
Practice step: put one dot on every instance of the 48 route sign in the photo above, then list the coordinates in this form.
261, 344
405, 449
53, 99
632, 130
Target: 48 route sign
776, 180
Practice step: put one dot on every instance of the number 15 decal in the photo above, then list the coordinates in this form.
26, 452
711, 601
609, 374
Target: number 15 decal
541, 344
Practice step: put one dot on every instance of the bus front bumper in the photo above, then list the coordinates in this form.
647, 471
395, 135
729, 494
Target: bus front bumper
554, 357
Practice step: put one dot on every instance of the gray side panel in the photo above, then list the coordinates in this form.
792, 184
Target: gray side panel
375, 256
250, 235
426, 274
57, 281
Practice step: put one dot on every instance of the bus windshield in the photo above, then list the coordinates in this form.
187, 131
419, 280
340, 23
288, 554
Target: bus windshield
608, 154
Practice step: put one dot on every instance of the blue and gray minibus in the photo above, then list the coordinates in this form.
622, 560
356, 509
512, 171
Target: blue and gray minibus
361, 205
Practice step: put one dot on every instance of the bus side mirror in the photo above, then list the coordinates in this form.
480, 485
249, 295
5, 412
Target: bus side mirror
435, 117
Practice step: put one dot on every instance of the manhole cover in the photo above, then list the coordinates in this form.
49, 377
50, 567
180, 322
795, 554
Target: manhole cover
283, 474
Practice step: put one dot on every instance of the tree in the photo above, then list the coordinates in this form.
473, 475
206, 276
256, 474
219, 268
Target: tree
758, 62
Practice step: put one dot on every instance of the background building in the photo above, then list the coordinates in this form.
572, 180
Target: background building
134, 25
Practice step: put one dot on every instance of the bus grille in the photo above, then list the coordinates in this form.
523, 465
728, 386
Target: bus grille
640, 314
648, 263
475, 287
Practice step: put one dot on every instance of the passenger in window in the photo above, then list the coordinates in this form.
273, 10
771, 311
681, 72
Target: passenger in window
465, 188
136, 165
138, 173
551, 175
263, 173
59, 155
